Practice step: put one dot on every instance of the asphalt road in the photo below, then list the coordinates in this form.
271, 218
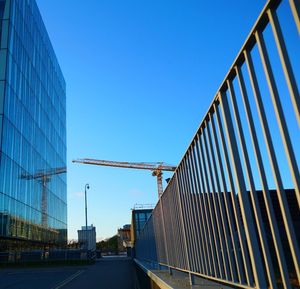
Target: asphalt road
107, 273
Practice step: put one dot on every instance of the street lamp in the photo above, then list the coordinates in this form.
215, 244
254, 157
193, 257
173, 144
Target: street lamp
87, 187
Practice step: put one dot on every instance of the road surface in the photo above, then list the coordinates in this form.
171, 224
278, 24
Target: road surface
106, 273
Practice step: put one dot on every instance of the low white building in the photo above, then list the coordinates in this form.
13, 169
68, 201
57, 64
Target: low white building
87, 237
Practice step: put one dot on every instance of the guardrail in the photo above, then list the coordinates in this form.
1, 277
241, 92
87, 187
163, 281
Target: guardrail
227, 213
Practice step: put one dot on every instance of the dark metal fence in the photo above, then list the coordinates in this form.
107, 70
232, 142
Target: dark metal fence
228, 214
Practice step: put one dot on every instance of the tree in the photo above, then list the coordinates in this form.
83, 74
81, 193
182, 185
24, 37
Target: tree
109, 245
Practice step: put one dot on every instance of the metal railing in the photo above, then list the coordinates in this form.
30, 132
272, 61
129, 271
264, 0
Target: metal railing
227, 213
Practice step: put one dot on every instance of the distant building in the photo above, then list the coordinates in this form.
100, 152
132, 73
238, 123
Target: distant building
33, 188
87, 237
124, 237
139, 217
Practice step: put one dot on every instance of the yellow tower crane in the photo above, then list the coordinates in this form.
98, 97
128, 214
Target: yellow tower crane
156, 168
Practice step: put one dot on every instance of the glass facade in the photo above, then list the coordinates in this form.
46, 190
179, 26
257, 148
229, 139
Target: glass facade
33, 198
139, 219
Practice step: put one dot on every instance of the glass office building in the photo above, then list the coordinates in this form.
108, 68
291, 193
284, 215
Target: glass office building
139, 218
33, 198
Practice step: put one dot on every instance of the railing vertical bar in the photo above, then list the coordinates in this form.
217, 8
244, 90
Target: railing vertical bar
206, 247
274, 165
192, 195
199, 254
171, 221
253, 194
161, 241
164, 205
186, 213
228, 213
285, 62
199, 219
265, 189
180, 234
176, 175
170, 228
161, 235
147, 239
174, 224
174, 227
167, 226
207, 234
244, 248
280, 119
197, 199
208, 217
227, 256
183, 208
190, 209
295, 7
209, 213
157, 233
255, 257
164, 229
162, 245
215, 211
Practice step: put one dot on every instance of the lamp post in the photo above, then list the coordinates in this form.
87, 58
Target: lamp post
87, 187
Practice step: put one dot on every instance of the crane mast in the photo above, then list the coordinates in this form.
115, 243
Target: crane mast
156, 168
44, 177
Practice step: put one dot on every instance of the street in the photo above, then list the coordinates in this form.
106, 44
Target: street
106, 273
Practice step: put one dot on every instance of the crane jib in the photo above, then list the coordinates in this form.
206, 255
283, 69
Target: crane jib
132, 165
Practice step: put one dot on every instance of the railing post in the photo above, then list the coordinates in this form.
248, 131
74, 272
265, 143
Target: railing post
191, 279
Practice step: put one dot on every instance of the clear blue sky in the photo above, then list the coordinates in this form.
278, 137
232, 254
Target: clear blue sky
140, 75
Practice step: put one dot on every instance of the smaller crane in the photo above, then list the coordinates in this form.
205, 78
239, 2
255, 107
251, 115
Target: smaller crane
44, 177
156, 168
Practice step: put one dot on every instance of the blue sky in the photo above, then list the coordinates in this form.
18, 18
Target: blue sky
140, 76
